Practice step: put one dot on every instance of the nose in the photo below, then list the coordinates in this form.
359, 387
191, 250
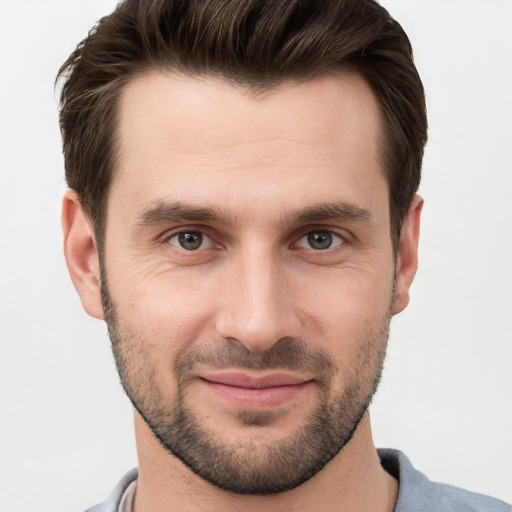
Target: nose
257, 303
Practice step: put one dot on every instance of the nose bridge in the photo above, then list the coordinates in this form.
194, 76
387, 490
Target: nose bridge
257, 308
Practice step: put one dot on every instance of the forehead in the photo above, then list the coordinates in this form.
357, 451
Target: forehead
180, 133
315, 111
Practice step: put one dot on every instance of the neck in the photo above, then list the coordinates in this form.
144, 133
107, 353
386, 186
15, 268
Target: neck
353, 480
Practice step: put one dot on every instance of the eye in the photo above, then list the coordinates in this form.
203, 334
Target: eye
320, 240
190, 240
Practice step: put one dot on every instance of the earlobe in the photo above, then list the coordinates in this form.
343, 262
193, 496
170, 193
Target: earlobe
81, 254
407, 260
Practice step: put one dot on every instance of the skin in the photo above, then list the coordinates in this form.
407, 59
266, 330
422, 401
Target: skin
256, 281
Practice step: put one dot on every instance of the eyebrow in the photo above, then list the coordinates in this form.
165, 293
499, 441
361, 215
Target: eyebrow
332, 211
164, 212
161, 212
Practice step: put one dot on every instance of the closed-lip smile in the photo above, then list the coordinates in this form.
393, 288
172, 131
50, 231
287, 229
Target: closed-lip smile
255, 390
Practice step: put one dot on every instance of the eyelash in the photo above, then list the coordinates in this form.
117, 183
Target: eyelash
342, 238
176, 235
333, 236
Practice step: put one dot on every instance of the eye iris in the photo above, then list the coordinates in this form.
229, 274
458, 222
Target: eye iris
320, 239
190, 241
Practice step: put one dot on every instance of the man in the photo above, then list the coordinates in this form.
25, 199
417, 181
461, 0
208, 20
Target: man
242, 213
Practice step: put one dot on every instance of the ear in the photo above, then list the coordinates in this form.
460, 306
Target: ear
407, 260
81, 254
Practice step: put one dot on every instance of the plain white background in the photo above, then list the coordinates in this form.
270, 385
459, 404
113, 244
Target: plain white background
445, 400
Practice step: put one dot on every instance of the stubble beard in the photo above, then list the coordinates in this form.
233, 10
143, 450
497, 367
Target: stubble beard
260, 464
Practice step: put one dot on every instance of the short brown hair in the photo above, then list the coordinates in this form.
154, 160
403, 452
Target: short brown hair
254, 43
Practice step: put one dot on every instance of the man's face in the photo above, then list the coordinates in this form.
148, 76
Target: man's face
248, 271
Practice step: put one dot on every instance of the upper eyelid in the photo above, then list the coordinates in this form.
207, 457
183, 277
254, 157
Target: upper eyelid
342, 233
186, 231
169, 233
343, 237
214, 235
320, 230
206, 239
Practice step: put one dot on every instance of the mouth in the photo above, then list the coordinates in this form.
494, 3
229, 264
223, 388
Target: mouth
255, 392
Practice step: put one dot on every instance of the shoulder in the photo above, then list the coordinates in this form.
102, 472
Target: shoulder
418, 494
113, 501
460, 499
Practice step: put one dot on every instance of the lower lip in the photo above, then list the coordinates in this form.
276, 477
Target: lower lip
257, 399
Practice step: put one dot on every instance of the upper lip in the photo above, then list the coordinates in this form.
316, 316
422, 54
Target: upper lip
248, 380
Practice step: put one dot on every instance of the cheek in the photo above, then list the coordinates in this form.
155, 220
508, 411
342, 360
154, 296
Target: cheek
358, 293
348, 311
167, 312
172, 309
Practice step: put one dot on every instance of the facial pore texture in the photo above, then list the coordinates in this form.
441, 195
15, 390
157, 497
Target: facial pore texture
261, 464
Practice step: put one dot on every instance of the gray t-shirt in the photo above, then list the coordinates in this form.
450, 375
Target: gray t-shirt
416, 492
